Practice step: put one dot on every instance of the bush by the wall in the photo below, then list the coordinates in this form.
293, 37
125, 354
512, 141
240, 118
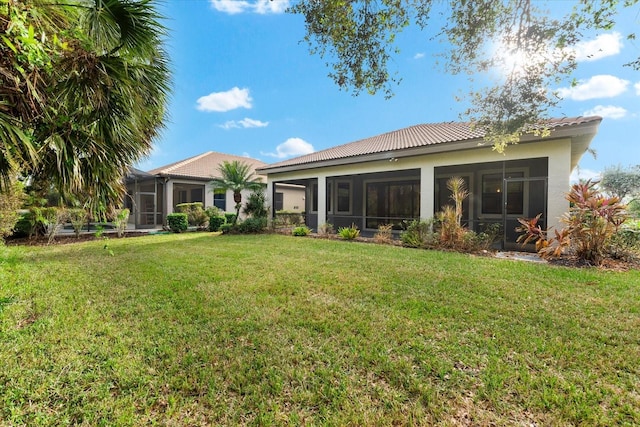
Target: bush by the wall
215, 222
196, 215
301, 230
231, 217
227, 228
177, 222
252, 225
419, 234
349, 233
10, 202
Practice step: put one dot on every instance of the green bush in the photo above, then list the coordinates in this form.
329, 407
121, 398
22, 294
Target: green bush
196, 215
230, 217
177, 222
419, 234
227, 228
77, 218
10, 202
24, 225
215, 222
256, 205
252, 225
120, 221
302, 230
349, 233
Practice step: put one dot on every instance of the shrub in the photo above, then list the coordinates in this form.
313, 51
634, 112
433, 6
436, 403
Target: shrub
51, 219
121, 220
10, 202
177, 222
348, 233
326, 229
77, 218
301, 230
383, 235
287, 218
256, 205
196, 215
419, 234
625, 243
227, 228
215, 222
252, 225
591, 222
24, 225
230, 217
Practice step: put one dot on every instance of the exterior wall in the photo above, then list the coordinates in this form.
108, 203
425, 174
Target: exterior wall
558, 152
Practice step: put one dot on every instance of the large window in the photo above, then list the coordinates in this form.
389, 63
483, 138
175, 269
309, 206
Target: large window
220, 199
279, 202
392, 202
343, 195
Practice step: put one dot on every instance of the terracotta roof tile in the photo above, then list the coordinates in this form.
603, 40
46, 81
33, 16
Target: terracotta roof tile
411, 137
204, 165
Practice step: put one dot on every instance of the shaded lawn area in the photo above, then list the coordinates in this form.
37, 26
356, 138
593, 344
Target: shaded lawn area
200, 329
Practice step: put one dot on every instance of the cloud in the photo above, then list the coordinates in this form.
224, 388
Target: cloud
225, 101
607, 111
244, 123
600, 86
418, 55
261, 7
291, 147
637, 87
602, 46
580, 174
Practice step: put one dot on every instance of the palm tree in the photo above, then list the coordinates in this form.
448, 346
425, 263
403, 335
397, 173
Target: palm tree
96, 100
236, 176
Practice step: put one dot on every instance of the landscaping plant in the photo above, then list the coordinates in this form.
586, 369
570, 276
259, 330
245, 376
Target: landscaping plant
177, 222
383, 235
78, 218
301, 230
120, 221
592, 220
349, 233
10, 202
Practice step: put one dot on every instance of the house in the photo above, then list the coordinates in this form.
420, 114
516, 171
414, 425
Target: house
401, 176
154, 194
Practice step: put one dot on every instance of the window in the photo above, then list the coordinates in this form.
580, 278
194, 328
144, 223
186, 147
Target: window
220, 199
343, 202
314, 197
329, 196
392, 202
492, 189
279, 202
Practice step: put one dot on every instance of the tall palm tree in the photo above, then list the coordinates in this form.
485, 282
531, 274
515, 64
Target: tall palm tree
236, 176
99, 97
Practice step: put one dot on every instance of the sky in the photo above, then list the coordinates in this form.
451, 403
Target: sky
244, 83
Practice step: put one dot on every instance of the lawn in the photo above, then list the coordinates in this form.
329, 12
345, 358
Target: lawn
199, 329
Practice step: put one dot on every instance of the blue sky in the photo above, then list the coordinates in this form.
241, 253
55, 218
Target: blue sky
245, 84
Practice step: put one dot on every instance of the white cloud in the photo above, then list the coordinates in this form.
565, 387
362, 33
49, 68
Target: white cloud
262, 7
637, 87
291, 147
418, 55
602, 46
244, 123
607, 111
580, 174
225, 101
600, 86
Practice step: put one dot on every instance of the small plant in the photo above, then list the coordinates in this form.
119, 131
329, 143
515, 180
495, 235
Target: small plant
383, 235
349, 233
230, 217
215, 222
120, 221
177, 222
301, 230
227, 228
77, 218
10, 202
326, 229
51, 219
419, 234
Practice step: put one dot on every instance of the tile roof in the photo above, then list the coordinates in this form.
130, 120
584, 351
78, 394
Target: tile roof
411, 137
203, 166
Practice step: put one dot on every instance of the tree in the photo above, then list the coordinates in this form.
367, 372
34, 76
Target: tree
236, 176
620, 182
83, 90
532, 50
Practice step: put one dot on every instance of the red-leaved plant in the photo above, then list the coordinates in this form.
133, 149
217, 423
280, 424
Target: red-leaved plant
591, 221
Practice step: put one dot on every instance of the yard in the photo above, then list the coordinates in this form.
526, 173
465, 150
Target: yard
198, 329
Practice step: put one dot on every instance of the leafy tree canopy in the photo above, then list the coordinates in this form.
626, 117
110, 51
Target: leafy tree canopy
621, 182
83, 88
357, 39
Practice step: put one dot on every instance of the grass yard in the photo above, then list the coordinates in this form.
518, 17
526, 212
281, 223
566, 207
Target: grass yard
199, 329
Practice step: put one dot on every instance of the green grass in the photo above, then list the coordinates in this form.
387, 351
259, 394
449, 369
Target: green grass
198, 329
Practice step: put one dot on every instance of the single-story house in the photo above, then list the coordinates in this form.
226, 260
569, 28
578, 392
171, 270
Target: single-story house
152, 195
401, 176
